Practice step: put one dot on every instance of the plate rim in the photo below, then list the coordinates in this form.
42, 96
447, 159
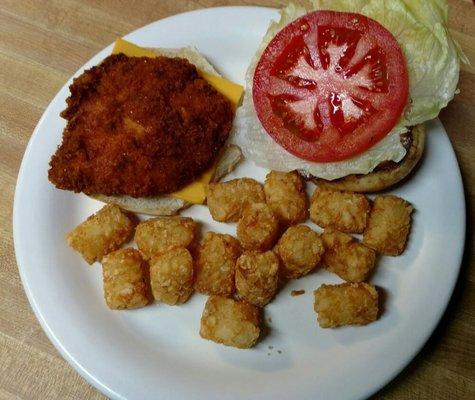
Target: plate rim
90, 378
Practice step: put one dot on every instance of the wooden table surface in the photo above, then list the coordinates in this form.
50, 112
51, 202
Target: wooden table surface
42, 43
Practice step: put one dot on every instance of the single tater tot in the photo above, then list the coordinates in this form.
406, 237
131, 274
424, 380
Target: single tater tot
230, 322
101, 233
171, 276
158, 235
258, 228
346, 304
388, 226
347, 257
215, 264
227, 200
286, 196
125, 280
300, 249
257, 277
343, 211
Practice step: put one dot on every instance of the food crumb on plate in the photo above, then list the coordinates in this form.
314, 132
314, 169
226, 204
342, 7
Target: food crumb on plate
297, 292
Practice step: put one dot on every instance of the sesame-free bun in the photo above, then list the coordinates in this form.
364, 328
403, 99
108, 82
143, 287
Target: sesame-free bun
382, 178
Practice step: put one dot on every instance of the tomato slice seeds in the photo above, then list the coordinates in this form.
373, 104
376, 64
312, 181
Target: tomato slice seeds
330, 85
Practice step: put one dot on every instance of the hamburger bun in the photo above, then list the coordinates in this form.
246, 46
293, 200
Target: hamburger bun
385, 175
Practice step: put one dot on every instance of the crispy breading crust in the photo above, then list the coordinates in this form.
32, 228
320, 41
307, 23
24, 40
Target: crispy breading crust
286, 196
300, 250
215, 264
158, 235
227, 200
389, 225
258, 228
101, 233
125, 280
257, 276
230, 322
343, 211
171, 276
346, 304
347, 257
139, 126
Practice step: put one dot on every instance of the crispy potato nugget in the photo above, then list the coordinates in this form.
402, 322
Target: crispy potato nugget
300, 250
171, 276
158, 235
256, 277
124, 274
342, 211
388, 226
346, 304
258, 228
230, 322
286, 196
215, 264
227, 200
347, 257
101, 233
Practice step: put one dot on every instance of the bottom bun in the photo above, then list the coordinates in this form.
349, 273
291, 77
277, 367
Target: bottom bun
384, 176
167, 205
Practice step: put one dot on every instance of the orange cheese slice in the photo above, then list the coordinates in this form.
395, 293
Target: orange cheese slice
195, 191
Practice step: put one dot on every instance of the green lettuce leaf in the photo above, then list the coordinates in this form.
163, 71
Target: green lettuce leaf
433, 58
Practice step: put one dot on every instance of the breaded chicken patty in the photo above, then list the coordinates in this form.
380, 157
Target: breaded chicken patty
139, 126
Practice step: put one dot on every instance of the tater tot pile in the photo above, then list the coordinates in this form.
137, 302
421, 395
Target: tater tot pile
243, 274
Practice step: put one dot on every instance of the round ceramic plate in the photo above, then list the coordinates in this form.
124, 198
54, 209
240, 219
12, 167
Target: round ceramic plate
156, 351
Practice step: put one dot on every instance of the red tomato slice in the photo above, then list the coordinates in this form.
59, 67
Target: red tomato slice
330, 85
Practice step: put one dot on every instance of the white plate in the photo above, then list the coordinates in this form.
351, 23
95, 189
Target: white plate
156, 352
